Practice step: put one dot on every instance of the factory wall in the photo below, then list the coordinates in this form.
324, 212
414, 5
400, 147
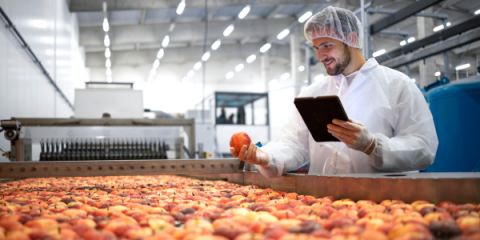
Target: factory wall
52, 33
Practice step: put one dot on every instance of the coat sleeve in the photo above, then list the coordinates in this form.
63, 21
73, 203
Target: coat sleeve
414, 142
290, 150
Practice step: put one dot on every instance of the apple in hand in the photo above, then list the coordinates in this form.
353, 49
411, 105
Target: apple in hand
239, 139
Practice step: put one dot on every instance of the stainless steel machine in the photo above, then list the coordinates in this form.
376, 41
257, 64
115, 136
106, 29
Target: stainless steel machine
44, 139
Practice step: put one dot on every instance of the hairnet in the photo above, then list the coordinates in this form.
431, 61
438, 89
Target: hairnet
336, 23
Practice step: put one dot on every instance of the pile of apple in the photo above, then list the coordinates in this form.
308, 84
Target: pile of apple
171, 207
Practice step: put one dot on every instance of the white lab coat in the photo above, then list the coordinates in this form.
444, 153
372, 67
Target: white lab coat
387, 102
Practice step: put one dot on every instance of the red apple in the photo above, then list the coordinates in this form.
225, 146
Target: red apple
239, 139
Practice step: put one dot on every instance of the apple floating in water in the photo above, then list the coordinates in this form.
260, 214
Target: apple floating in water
239, 139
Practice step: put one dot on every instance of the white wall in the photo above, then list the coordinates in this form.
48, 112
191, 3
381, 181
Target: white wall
52, 33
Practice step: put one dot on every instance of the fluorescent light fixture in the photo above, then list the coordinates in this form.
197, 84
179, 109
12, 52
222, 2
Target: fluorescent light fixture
379, 52
197, 66
190, 74
251, 58
109, 72
181, 7
106, 27
108, 53
104, 6
160, 53
301, 68
273, 82
438, 74
413, 80
244, 12
441, 27
106, 41
411, 39
403, 43
216, 45
318, 77
283, 34
156, 63
477, 12
239, 67
265, 47
109, 79
462, 66
229, 75
153, 72
206, 56
285, 76
305, 17
108, 63
228, 30
165, 41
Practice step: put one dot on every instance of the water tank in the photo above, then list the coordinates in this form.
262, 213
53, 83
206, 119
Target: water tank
456, 112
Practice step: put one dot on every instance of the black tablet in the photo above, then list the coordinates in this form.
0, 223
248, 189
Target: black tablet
317, 112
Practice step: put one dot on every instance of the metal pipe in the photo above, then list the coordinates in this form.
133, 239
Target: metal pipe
362, 14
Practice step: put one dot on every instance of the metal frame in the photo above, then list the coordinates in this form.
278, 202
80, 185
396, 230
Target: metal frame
433, 187
20, 148
401, 15
243, 93
439, 48
436, 37
9, 24
440, 16
109, 83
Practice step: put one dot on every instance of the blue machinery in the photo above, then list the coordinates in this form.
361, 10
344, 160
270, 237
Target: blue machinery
456, 111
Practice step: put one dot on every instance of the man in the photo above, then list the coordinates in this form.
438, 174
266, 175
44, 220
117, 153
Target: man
393, 130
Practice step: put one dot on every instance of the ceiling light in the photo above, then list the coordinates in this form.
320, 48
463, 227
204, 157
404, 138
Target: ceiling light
413, 80
441, 27
304, 17
108, 53
109, 79
239, 67
104, 6
438, 74
190, 74
244, 12
160, 53
301, 68
462, 66
106, 41
379, 52
197, 66
318, 77
251, 58
285, 76
283, 34
229, 75
165, 41
181, 7
228, 30
477, 12
106, 27
153, 72
411, 39
109, 72
108, 63
403, 43
265, 47
156, 63
216, 45
273, 82
206, 56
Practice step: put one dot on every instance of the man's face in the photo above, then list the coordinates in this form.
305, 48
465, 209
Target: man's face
334, 54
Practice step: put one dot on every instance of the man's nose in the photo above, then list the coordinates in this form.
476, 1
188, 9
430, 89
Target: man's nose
321, 57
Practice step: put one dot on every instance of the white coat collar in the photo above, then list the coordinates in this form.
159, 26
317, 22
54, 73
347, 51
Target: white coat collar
359, 78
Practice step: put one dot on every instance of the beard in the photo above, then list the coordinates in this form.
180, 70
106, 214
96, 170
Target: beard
340, 64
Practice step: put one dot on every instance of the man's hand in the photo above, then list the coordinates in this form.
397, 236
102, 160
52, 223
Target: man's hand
354, 134
252, 154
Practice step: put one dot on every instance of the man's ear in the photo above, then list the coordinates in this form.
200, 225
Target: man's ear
353, 38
